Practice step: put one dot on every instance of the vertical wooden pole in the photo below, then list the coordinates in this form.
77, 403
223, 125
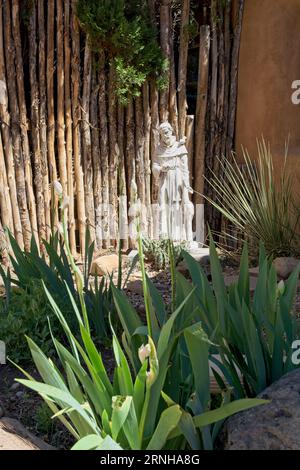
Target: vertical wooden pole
76, 114
139, 158
227, 50
23, 116
213, 83
50, 101
35, 125
154, 110
5, 201
68, 121
113, 160
123, 199
182, 67
165, 45
147, 159
7, 143
4, 260
96, 156
61, 149
9, 50
173, 87
86, 141
189, 133
130, 163
199, 161
43, 114
104, 150
234, 76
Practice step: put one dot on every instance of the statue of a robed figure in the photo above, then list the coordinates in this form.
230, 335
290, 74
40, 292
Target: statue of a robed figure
171, 171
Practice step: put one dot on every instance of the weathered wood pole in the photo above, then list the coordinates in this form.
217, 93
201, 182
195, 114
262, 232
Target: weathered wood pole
23, 117
199, 160
234, 76
9, 50
7, 143
103, 124
76, 115
165, 31
35, 126
182, 67
68, 121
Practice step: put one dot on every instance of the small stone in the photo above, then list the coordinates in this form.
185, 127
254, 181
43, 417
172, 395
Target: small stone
19, 394
285, 266
15, 386
105, 265
159, 286
233, 279
135, 286
137, 275
182, 268
141, 309
254, 271
132, 254
201, 255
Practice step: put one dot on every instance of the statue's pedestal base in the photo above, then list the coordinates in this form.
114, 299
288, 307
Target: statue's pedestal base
199, 254
193, 246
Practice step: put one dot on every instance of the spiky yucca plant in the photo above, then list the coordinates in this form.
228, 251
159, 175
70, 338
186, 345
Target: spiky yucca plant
258, 206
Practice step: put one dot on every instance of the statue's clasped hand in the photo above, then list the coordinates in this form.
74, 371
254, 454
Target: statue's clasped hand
166, 167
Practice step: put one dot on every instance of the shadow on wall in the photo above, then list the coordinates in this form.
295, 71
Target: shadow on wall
269, 64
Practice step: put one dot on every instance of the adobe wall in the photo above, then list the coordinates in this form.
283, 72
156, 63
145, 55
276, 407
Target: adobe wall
269, 63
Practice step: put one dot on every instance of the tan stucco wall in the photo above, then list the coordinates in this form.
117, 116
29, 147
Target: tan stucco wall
269, 63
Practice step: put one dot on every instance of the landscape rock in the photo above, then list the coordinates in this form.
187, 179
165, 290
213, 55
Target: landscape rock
233, 278
285, 265
135, 286
201, 255
132, 254
15, 386
104, 265
14, 436
254, 271
274, 426
137, 275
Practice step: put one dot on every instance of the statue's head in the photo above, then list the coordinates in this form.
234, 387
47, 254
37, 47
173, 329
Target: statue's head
166, 133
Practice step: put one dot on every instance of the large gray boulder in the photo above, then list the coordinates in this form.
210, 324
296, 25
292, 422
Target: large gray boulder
274, 426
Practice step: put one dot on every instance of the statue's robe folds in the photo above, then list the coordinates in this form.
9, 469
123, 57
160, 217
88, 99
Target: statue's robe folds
176, 210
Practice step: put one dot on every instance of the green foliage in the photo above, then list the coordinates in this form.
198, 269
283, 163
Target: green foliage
44, 423
259, 208
124, 31
28, 312
158, 252
31, 270
126, 413
253, 335
148, 404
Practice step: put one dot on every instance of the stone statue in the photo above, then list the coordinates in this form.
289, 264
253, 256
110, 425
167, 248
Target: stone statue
170, 169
